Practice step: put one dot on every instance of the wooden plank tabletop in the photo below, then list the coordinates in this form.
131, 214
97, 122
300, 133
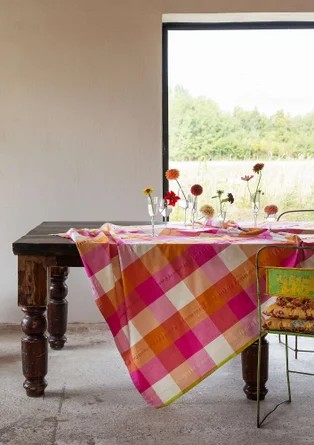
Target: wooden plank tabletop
40, 242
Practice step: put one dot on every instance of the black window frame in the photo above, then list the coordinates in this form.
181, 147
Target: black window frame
182, 26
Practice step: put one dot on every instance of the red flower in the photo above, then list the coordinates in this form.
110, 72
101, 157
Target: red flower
258, 167
196, 190
172, 198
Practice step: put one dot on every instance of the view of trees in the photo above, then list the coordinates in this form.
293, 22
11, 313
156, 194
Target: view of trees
200, 131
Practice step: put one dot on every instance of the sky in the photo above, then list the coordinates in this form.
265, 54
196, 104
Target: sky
264, 69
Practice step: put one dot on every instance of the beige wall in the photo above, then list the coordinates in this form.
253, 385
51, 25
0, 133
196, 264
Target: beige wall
80, 116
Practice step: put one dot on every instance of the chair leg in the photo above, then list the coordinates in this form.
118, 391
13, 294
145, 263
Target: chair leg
279, 338
296, 348
259, 354
287, 370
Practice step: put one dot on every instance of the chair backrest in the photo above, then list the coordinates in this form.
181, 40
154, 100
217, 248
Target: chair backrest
288, 282
295, 212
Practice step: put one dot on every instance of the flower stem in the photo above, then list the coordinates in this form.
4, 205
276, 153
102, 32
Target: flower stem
151, 200
181, 190
257, 188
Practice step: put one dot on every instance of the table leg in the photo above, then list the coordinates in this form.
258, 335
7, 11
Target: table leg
249, 369
34, 350
32, 296
58, 307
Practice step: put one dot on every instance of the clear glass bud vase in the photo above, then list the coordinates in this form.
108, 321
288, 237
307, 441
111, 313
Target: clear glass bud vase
255, 200
222, 216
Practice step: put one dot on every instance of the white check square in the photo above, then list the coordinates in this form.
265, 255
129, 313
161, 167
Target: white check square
232, 257
105, 278
166, 388
180, 295
133, 334
219, 349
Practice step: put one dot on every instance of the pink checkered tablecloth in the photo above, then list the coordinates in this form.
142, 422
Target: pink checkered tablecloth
181, 304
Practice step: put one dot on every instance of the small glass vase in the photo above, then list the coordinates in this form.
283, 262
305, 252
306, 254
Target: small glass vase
222, 216
184, 204
152, 202
270, 219
165, 210
193, 207
255, 201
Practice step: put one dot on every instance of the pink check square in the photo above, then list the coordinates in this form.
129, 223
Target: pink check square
167, 277
201, 363
149, 290
139, 381
206, 331
241, 305
188, 344
153, 370
96, 259
162, 309
215, 269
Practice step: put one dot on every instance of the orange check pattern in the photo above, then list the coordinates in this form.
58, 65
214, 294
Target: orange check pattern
178, 305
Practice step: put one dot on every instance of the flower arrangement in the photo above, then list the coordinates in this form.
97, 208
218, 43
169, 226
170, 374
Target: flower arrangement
173, 175
222, 201
257, 169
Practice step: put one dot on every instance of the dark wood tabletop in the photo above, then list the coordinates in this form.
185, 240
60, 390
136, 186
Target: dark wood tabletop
40, 241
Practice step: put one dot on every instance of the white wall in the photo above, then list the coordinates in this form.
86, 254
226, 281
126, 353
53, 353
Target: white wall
80, 117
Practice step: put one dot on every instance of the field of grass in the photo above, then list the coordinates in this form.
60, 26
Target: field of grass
288, 184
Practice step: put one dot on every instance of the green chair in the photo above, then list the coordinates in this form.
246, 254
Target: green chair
282, 282
296, 350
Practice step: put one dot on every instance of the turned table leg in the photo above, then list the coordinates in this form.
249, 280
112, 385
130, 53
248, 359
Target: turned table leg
34, 350
58, 307
32, 296
249, 370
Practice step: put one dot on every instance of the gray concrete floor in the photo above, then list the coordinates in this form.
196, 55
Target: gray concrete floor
90, 400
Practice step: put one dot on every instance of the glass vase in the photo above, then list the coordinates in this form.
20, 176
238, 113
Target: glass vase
222, 216
165, 210
270, 219
193, 206
255, 201
152, 203
184, 204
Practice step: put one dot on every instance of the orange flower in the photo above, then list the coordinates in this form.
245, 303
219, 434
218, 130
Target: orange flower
172, 174
196, 190
271, 209
258, 167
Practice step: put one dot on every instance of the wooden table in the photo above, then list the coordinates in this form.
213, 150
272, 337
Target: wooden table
43, 267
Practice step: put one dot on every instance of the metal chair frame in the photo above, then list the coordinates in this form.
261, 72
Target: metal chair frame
263, 332
295, 349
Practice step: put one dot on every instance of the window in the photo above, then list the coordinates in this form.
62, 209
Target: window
237, 94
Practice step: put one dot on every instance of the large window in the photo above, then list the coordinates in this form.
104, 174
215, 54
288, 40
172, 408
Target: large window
235, 95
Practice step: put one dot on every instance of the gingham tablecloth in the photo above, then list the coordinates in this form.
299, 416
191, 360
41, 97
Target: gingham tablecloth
179, 305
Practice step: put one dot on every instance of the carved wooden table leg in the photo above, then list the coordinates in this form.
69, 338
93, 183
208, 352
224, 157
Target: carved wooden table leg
34, 350
249, 369
32, 296
58, 307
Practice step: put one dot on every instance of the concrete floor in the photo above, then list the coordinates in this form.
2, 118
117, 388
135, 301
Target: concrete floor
90, 400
